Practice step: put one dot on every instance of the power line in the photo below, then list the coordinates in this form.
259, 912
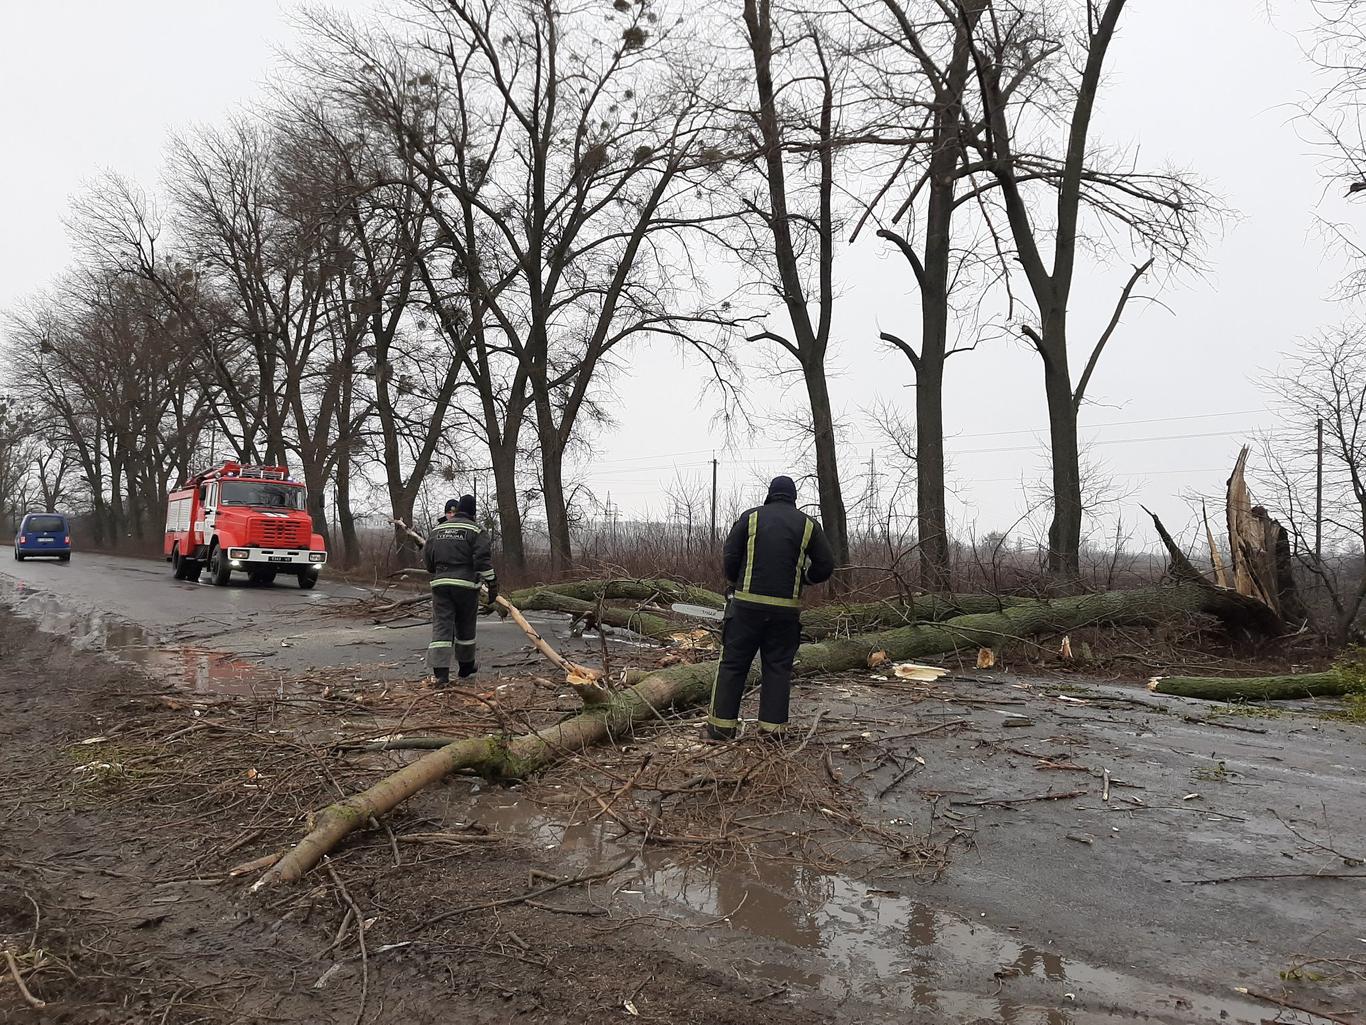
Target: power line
1111, 441
954, 437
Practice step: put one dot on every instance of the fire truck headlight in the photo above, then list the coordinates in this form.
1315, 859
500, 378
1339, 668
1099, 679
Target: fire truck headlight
317, 556
239, 554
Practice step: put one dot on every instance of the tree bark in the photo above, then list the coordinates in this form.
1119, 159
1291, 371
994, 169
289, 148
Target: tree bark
637, 590
932, 521
552, 489
833, 518
503, 458
317, 502
646, 624
1064, 532
346, 516
1257, 688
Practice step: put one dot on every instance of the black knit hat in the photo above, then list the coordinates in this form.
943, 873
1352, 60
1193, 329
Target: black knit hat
782, 487
467, 505
451, 506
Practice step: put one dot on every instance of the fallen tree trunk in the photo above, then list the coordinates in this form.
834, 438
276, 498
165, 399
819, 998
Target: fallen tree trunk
647, 624
687, 685
1333, 683
632, 590
496, 756
860, 617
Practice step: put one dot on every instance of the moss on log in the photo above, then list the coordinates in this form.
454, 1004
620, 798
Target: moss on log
1257, 688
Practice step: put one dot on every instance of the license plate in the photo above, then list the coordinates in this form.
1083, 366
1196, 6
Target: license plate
45, 540
279, 558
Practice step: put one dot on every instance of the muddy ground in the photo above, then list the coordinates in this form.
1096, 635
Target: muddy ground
945, 852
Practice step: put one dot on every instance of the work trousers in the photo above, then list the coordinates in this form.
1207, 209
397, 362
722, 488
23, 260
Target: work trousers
775, 637
455, 611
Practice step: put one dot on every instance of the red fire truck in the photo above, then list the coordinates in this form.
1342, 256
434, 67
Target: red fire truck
248, 519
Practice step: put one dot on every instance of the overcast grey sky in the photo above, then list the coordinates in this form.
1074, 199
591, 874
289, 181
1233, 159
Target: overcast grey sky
1205, 85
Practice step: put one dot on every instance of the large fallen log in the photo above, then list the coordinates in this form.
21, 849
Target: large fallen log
602, 600
1257, 688
665, 591
1347, 676
688, 685
860, 617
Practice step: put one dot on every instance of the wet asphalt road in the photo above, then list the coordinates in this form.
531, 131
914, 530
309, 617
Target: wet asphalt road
1069, 912
134, 610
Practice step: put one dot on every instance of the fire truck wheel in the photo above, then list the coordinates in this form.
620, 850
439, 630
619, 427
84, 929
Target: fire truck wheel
220, 572
179, 564
307, 578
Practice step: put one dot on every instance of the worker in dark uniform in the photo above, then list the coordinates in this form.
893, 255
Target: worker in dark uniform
460, 560
772, 552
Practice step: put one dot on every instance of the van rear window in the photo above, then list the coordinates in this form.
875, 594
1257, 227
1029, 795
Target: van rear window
45, 524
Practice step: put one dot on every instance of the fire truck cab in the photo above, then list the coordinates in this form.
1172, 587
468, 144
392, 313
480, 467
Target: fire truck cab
245, 519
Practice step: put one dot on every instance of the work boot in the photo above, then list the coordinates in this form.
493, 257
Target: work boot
441, 677
775, 738
713, 734
468, 669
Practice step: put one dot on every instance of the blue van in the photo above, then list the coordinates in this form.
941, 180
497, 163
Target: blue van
43, 534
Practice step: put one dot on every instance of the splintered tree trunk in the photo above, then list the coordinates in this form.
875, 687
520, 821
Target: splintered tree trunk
688, 685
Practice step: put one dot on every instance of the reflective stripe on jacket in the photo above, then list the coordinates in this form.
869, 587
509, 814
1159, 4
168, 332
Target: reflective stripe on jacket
458, 554
772, 552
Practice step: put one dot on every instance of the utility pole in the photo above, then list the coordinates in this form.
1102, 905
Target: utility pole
1318, 499
872, 515
713, 500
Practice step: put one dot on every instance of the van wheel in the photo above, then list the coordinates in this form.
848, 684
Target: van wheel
220, 571
17, 556
65, 557
307, 579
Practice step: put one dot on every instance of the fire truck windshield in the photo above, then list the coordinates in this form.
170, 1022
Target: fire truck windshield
261, 493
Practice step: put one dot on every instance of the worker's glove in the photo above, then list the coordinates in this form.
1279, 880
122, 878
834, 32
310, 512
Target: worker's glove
493, 591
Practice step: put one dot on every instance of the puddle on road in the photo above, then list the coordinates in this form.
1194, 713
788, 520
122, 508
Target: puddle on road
822, 932
191, 668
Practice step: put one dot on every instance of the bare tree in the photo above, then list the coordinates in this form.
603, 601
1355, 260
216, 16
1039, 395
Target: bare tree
1332, 120
1037, 64
15, 433
794, 124
113, 386
919, 55
1324, 381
